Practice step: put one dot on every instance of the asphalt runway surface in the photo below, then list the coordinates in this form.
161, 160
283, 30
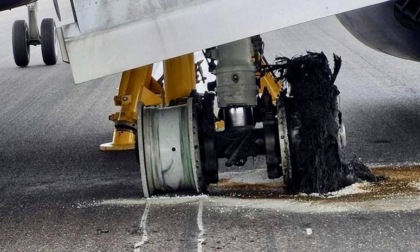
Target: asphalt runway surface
58, 192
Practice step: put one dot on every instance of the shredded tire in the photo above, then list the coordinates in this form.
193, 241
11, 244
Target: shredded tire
317, 157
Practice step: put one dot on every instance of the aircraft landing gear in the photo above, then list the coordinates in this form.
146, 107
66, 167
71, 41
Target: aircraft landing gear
26, 34
298, 127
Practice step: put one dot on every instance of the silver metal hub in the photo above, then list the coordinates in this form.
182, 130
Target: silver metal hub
238, 117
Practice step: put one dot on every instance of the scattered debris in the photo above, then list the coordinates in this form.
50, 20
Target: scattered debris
415, 185
357, 172
400, 181
354, 189
102, 231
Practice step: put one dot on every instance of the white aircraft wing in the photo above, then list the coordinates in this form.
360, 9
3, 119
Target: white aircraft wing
112, 36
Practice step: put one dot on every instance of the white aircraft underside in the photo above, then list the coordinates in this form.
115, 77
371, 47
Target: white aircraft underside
114, 36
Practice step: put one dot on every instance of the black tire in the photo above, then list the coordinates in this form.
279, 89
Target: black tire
49, 46
313, 121
20, 42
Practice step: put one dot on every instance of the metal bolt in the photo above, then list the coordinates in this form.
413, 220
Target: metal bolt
235, 78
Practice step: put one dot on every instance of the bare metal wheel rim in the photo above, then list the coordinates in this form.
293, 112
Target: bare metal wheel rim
168, 149
284, 141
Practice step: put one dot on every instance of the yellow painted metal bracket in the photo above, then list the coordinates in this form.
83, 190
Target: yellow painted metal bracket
269, 81
273, 86
134, 86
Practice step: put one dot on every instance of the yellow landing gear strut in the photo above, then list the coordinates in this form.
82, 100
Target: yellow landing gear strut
137, 85
180, 77
132, 86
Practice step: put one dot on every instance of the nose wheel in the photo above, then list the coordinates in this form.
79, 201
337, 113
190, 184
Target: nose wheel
20, 41
49, 42
26, 34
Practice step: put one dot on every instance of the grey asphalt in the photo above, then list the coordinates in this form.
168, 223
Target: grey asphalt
57, 190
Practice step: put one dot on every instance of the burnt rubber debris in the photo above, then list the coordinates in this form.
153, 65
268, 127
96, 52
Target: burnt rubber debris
314, 120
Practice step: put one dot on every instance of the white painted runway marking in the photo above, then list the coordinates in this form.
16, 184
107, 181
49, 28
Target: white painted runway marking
143, 225
162, 200
200, 238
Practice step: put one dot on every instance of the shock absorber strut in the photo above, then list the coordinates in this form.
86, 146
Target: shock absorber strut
237, 97
236, 89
